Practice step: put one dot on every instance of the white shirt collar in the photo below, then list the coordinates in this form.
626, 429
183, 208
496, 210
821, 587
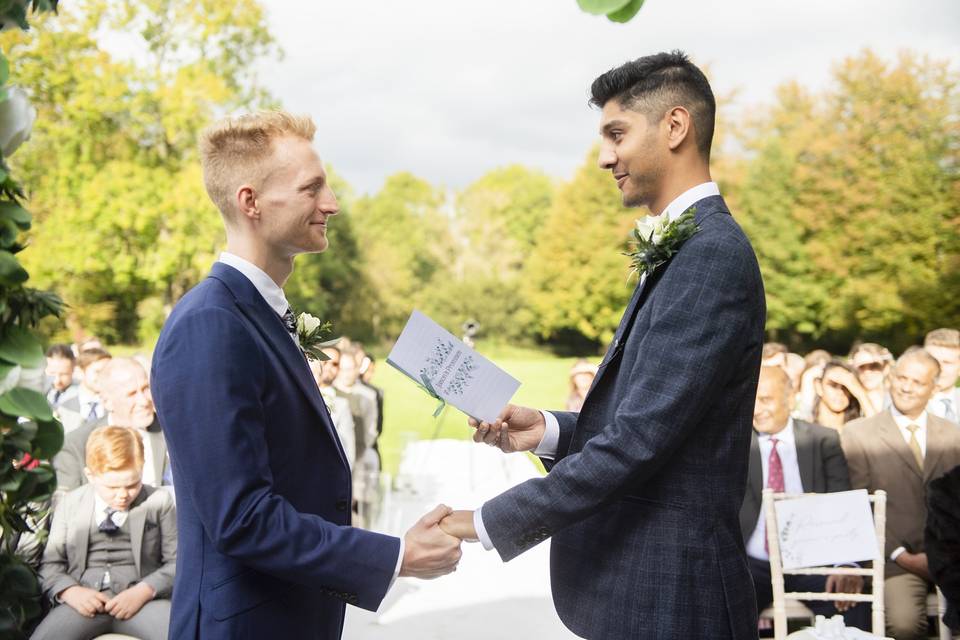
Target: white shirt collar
264, 284
903, 421
785, 436
690, 197
100, 512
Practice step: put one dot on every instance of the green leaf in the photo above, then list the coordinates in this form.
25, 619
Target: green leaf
18, 580
601, 7
26, 403
4, 69
8, 233
16, 214
49, 439
626, 12
19, 346
11, 273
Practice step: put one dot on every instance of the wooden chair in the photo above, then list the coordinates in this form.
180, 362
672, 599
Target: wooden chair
777, 572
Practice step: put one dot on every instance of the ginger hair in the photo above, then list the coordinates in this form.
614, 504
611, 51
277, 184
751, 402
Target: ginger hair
234, 151
114, 449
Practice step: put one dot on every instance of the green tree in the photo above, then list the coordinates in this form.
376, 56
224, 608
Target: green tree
576, 280
852, 200
123, 220
406, 246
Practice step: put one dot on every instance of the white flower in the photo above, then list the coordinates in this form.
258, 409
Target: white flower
307, 324
16, 120
652, 227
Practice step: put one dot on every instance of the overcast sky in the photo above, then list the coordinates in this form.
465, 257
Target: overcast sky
449, 89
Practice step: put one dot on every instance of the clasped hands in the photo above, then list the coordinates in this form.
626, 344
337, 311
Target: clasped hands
123, 606
432, 546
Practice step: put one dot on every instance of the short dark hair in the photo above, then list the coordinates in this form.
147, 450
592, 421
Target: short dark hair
62, 351
652, 85
88, 356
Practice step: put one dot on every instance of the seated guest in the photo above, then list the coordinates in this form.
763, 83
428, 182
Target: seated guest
813, 370
944, 345
581, 378
109, 561
840, 396
86, 408
942, 541
790, 456
872, 364
128, 403
901, 451
60, 368
325, 372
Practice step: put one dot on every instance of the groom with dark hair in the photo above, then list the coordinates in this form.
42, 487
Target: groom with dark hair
645, 483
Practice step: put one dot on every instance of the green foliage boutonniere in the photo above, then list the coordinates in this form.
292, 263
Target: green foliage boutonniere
657, 239
311, 332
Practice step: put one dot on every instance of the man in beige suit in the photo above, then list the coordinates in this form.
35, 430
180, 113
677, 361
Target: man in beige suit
901, 450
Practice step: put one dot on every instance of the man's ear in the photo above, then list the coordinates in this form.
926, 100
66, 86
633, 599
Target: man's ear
247, 202
679, 127
88, 474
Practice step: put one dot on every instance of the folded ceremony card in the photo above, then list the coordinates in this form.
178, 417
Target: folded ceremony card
450, 370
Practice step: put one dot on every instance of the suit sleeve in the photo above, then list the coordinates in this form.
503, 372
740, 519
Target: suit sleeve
162, 579
209, 375
698, 335
54, 577
69, 463
834, 463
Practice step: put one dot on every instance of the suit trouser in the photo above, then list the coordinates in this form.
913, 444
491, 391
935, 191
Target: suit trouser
858, 616
905, 599
64, 623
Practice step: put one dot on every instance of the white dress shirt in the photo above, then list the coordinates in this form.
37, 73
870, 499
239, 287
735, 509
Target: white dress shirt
88, 400
943, 400
792, 485
100, 512
903, 422
551, 436
274, 296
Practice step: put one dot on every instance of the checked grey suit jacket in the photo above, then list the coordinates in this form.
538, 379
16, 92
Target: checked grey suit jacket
643, 499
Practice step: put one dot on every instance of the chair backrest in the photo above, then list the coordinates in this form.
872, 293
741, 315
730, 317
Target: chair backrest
777, 572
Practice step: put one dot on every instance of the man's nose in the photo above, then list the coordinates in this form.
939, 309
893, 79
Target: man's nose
328, 202
607, 158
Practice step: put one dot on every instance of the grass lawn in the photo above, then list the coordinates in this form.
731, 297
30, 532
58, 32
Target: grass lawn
408, 411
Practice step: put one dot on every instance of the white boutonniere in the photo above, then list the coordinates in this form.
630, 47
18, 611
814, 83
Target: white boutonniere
312, 333
656, 239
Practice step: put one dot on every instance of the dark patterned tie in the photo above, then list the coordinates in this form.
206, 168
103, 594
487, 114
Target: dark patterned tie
108, 526
290, 322
774, 478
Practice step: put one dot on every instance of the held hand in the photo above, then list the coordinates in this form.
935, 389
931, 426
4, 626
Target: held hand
86, 602
429, 552
915, 563
459, 524
844, 584
128, 602
516, 429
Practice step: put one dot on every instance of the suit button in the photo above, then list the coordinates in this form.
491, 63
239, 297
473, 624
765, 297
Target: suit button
342, 505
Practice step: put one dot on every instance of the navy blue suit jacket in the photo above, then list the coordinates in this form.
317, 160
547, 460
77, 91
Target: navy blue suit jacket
262, 484
642, 501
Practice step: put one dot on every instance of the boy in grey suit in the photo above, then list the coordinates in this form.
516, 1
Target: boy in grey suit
109, 562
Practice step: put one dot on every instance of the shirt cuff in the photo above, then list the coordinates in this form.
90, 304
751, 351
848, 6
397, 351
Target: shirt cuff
896, 553
551, 438
481, 530
396, 572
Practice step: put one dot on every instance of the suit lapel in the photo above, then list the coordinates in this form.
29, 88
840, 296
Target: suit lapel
755, 470
937, 433
81, 535
889, 433
805, 458
137, 519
